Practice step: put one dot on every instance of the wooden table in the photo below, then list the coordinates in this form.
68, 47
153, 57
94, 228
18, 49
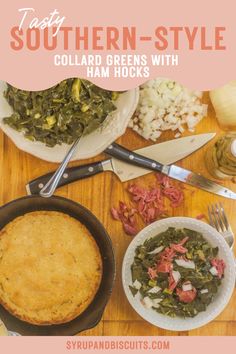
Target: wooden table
105, 190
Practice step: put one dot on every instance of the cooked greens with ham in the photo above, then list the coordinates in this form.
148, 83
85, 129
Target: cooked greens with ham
177, 273
61, 113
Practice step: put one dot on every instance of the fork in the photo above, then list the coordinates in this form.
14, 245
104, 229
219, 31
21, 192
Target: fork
219, 221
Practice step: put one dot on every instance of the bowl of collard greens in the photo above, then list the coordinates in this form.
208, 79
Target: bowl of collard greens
44, 123
178, 273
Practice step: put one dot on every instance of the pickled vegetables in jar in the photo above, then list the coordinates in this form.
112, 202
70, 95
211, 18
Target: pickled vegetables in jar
221, 157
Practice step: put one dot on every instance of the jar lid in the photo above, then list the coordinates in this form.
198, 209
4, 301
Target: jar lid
233, 148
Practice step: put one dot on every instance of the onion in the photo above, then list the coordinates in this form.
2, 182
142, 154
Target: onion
137, 285
214, 271
176, 275
187, 287
147, 302
185, 264
154, 290
156, 250
224, 102
156, 302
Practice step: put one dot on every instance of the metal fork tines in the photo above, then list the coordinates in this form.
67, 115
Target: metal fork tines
219, 221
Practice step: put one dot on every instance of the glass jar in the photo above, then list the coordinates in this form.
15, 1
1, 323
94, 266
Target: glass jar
221, 157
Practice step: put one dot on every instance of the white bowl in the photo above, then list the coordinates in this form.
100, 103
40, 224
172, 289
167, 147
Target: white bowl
224, 292
89, 146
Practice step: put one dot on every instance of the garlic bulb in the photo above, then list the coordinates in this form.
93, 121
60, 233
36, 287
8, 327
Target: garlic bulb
224, 102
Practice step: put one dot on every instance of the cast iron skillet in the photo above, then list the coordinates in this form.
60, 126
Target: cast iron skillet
92, 315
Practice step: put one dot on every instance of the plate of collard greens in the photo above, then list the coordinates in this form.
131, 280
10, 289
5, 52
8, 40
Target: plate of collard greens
45, 123
178, 273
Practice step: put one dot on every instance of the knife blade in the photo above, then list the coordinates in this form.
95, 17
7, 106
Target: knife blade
167, 152
172, 171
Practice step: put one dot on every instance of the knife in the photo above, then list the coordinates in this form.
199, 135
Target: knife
167, 152
173, 171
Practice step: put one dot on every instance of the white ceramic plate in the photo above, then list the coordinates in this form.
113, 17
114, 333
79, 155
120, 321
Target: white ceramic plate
224, 291
89, 146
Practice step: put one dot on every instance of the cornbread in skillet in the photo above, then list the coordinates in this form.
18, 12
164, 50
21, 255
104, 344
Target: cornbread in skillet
50, 267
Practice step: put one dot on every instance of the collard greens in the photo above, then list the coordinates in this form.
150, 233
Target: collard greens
198, 251
59, 114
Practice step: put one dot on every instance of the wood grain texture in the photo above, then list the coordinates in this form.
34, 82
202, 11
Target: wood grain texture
105, 190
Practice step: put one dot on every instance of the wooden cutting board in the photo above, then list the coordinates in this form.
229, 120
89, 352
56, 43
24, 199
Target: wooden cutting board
105, 190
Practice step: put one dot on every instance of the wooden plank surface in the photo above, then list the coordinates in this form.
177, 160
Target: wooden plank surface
105, 190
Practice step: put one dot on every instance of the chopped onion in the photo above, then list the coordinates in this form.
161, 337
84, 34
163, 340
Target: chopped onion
185, 264
166, 105
147, 302
204, 291
214, 271
156, 302
154, 290
187, 286
157, 250
137, 285
176, 275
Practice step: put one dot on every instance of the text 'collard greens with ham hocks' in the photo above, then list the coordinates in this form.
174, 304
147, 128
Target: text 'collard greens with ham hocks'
177, 273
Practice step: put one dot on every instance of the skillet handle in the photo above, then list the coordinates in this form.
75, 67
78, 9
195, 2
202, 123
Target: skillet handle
92, 322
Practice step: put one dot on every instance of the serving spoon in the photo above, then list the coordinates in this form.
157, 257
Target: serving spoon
50, 187
48, 190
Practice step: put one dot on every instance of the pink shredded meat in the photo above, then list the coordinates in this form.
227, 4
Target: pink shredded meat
173, 193
115, 213
178, 248
185, 239
186, 296
172, 282
201, 216
152, 273
127, 216
219, 264
130, 229
164, 267
168, 254
150, 202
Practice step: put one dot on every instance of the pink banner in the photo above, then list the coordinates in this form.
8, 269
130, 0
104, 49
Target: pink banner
117, 45
117, 345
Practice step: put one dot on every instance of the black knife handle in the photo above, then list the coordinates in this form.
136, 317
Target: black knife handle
121, 153
70, 175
